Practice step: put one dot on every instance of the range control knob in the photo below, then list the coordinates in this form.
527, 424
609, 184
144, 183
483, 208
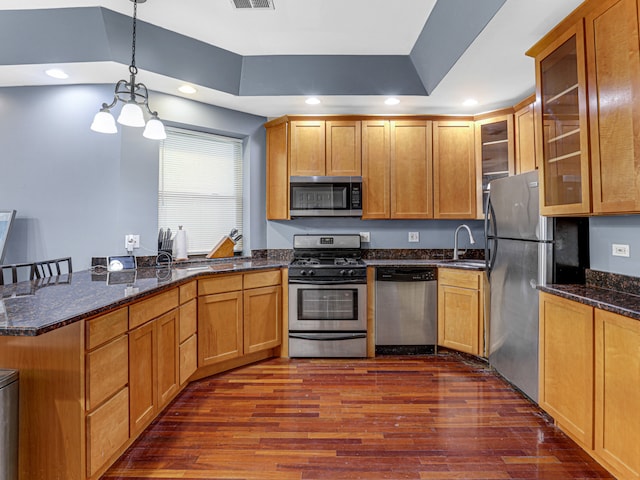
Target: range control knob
343, 272
312, 272
303, 272
351, 273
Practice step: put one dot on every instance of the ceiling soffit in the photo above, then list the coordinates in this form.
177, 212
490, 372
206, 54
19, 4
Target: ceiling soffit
94, 34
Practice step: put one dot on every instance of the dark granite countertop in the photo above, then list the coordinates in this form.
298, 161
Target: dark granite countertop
609, 300
608, 291
36, 307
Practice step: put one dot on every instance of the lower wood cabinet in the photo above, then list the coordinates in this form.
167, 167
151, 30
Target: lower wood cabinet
153, 368
617, 393
238, 314
589, 377
566, 365
107, 431
461, 310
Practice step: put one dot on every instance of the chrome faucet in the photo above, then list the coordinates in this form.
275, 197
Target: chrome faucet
455, 240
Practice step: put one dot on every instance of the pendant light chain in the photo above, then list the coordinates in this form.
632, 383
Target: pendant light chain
132, 68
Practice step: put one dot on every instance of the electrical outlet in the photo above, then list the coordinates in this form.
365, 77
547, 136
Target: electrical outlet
131, 242
618, 250
365, 237
414, 237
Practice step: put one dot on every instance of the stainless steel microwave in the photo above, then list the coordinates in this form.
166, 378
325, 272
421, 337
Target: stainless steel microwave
325, 196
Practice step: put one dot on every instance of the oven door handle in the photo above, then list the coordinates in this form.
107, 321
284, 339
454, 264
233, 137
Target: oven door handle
349, 281
327, 336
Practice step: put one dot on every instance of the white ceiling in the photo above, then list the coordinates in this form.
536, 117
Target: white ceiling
494, 69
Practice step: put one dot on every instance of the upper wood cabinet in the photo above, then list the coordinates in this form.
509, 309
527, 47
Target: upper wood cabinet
525, 138
376, 164
319, 147
411, 169
343, 148
613, 71
277, 200
588, 82
494, 154
307, 147
561, 85
454, 170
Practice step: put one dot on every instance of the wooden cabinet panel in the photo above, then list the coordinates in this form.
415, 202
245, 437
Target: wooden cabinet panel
411, 169
566, 365
617, 376
376, 158
460, 278
101, 329
188, 358
277, 172
167, 328
613, 68
219, 284
307, 147
188, 319
454, 170
188, 291
145, 310
262, 326
343, 147
143, 383
262, 279
525, 139
219, 327
107, 431
107, 371
461, 299
561, 129
458, 319
494, 154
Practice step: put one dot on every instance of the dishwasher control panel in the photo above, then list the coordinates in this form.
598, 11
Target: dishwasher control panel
404, 274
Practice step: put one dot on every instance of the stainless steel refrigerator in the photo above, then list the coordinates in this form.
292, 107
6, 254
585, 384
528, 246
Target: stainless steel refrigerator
524, 249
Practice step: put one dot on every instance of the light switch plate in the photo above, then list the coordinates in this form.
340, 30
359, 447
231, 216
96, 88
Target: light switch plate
365, 237
414, 237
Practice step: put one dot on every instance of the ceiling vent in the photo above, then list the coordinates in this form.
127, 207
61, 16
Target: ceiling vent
253, 4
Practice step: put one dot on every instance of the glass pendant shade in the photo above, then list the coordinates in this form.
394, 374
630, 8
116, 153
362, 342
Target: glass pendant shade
103, 122
154, 130
131, 115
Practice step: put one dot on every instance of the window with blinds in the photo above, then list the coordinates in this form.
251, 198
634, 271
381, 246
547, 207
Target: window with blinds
200, 187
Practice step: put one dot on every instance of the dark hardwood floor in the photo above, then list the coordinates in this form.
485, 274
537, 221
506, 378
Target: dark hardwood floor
443, 416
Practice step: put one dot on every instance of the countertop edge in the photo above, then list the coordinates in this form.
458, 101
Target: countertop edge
624, 304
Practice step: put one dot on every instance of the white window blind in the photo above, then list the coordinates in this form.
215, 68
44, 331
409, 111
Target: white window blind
200, 187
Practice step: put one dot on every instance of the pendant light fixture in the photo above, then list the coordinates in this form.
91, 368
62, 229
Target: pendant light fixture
135, 97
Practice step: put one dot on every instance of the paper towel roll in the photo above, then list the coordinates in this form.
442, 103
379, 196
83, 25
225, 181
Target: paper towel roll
180, 244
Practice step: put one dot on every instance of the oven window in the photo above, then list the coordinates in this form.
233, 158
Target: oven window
328, 304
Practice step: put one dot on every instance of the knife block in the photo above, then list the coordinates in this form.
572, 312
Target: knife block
224, 248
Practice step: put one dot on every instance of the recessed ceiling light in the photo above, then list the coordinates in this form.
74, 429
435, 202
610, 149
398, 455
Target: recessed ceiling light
391, 101
187, 89
57, 73
312, 101
470, 102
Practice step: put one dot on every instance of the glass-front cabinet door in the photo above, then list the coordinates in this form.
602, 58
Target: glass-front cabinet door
561, 87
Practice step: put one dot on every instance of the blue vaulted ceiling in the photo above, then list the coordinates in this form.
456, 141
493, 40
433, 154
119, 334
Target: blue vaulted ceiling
96, 34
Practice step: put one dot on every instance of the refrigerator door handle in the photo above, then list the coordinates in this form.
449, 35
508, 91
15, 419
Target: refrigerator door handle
490, 235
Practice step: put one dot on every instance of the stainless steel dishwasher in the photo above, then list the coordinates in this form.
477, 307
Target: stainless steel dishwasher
406, 311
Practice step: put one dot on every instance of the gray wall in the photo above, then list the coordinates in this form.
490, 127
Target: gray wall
77, 192
605, 231
384, 233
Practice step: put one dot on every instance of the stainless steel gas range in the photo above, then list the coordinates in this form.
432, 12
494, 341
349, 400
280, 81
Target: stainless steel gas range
327, 297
